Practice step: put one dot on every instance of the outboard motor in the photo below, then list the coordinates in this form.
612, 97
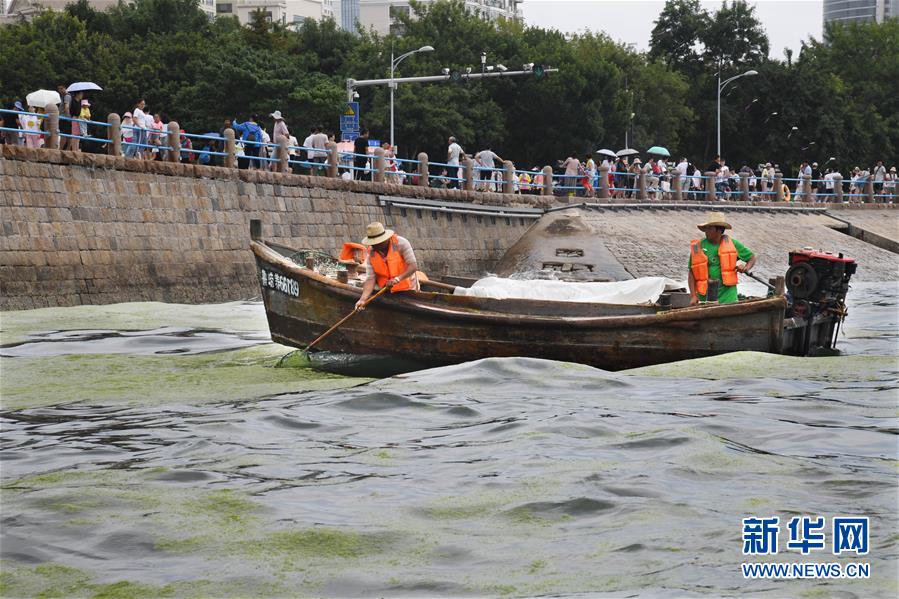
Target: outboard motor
817, 283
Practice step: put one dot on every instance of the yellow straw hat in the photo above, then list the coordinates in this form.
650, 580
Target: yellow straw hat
375, 233
714, 219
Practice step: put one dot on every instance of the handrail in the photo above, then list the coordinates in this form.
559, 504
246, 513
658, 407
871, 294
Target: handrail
638, 183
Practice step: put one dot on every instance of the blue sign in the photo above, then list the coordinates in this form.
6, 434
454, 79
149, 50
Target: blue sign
349, 120
349, 135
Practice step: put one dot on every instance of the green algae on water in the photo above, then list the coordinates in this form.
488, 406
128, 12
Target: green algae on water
774, 366
57, 580
326, 543
241, 374
16, 325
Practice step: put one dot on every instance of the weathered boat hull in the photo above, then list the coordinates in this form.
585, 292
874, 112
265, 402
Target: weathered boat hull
439, 329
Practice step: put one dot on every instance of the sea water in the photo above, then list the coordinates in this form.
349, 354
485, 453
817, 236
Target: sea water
151, 450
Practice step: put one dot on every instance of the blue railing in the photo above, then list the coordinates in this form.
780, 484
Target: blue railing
626, 184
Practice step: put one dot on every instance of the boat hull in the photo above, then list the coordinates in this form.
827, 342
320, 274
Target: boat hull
440, 329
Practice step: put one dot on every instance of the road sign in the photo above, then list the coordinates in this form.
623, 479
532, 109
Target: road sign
349, 135
349, 119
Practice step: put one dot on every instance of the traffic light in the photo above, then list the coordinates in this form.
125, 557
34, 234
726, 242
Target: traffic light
539, 71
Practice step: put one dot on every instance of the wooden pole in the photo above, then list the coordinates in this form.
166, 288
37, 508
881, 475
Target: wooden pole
344, 319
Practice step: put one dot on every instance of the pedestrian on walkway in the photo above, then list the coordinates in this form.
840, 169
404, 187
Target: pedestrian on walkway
31, 124
879, 174
889, 185
65, 111
280, 129
360, 158
486, 160
138, 120
128, 146
79, 126
453, 155
250, 137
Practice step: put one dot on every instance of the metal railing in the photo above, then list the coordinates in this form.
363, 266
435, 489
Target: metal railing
378, 165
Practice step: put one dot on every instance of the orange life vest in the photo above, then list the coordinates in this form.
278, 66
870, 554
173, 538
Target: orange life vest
699, 264
392, 266
349, 252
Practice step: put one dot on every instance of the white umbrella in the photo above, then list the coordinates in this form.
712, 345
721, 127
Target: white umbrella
627, 152
608, 153
83, 86
42, 97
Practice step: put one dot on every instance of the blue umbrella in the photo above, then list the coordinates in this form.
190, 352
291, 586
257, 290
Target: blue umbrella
658, 151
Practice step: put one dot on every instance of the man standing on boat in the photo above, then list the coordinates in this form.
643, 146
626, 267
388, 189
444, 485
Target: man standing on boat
390, 263
715, 259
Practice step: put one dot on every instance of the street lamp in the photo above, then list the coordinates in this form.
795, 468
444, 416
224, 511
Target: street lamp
721, 86
393, 64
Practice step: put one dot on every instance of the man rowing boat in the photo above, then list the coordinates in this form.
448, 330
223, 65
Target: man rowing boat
390, 263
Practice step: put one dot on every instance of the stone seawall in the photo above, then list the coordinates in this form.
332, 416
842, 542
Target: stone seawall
93, 229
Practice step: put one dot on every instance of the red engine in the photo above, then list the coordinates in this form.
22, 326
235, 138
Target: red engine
818, 280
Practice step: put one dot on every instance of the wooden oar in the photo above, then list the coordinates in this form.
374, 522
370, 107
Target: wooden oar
344, 319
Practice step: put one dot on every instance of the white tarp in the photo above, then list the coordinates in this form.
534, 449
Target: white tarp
632, 292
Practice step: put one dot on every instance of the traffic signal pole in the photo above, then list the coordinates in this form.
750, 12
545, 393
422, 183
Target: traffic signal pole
352, 84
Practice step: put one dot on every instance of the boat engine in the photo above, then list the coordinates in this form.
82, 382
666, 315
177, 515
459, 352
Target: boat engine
817, 283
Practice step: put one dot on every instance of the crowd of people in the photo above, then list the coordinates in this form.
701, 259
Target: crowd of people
145, 136
579, 176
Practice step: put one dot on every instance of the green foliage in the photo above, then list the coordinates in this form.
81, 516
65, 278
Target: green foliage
839, 92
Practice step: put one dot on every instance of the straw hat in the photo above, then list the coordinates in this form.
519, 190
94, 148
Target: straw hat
714, 219
375, 233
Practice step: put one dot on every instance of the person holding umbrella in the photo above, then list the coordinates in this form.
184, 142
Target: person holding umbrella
73, 103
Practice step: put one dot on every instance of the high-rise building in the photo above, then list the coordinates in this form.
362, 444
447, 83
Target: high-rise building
281, 11
286, 12
383, 15
847, 11
28, 8
349, 14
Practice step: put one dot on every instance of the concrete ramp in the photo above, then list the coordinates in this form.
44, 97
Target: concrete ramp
877, 227
652, 241
565, 245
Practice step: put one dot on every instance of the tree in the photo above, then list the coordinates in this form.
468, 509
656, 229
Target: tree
678, 33
838, 92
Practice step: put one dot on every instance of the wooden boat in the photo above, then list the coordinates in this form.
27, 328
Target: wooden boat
435, 327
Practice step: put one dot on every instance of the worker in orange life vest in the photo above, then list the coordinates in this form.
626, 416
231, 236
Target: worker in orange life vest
715, 259
391, 262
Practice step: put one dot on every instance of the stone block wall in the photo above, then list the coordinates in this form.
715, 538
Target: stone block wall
93, 229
